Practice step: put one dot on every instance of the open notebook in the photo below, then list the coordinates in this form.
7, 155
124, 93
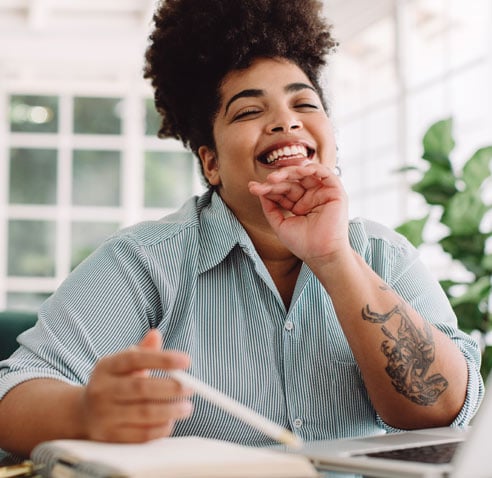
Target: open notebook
188, 457
433, 452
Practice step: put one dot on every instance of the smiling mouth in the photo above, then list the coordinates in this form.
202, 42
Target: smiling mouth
294, 152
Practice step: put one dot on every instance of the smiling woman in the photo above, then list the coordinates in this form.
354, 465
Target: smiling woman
262, 287
269, 115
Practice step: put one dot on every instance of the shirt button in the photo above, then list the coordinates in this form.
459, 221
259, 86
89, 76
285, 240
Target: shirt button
289, 325
297, 423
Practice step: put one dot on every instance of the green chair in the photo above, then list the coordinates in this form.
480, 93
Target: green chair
12, 323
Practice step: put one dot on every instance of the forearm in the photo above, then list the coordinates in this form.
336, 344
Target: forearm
415, 375
39, 410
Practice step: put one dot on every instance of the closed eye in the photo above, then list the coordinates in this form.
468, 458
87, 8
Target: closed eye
245, 113
307, 106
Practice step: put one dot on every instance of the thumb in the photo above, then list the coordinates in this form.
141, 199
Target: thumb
152, 340
273, 212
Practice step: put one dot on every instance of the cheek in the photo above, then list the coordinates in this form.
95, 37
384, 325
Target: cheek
235, 147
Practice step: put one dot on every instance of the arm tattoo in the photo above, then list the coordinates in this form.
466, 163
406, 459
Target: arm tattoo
410, 354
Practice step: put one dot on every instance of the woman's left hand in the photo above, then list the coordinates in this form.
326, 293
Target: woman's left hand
306, 206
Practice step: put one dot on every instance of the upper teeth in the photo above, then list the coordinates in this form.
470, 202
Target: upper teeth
287, 151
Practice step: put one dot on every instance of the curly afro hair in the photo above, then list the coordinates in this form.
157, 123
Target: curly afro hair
195, 43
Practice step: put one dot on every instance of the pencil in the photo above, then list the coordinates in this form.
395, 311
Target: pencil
237, 409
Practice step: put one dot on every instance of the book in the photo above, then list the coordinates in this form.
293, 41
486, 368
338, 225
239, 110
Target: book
180, 457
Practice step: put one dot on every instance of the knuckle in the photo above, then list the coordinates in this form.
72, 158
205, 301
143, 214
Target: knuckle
139, 386
131, 359
145, 412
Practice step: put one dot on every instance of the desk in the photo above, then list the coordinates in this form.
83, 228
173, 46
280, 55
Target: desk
7, 459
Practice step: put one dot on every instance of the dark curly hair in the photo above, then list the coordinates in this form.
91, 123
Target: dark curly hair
195, 43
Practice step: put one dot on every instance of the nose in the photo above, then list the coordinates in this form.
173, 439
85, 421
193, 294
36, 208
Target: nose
284, 123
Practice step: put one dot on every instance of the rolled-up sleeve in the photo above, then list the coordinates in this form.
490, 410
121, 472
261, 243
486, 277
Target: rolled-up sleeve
107, 304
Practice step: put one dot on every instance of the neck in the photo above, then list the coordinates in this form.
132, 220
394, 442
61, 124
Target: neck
283, 266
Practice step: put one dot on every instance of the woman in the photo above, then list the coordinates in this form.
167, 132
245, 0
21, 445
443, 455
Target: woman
262, 287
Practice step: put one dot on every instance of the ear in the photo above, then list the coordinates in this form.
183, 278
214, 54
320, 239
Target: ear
210, 165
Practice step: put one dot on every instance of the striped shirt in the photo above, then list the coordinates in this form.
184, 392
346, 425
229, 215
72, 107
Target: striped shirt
197, 277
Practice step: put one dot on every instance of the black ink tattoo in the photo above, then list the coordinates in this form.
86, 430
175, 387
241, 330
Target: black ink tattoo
410, 354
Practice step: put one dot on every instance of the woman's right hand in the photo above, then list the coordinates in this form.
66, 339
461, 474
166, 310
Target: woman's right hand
123, 403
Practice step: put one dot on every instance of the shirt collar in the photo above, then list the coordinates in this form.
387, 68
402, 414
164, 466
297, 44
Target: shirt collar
220, 232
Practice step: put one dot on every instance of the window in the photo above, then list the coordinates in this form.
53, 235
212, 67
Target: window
79, 167
420, 61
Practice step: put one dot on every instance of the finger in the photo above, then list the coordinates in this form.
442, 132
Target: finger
282, 201
136, 358
312, 182
133, 434
294, 180
152, 433
293, 190
272, 212
153, 414
315, 198
137, 389
152, 340
258, 189
296, 173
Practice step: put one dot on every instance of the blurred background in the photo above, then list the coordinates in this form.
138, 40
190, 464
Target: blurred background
79, 156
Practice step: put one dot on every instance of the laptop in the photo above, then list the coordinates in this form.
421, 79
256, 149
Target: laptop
430, 453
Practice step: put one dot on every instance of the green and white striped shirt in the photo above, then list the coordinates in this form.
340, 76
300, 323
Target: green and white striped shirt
197, 277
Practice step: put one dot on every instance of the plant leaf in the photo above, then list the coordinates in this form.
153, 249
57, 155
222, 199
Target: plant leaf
438, 143
487, 263
486, 366
477, 168
437, 185
413, 230
469, 316
464, 213
469, 250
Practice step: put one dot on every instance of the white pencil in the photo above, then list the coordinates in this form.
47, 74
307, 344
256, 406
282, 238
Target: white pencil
237, 409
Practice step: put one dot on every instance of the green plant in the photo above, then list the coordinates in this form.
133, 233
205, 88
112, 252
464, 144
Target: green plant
455, 199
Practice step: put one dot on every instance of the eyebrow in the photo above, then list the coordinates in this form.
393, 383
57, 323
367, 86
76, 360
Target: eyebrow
256, 93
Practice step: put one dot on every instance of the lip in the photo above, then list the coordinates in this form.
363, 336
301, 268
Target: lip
289, 161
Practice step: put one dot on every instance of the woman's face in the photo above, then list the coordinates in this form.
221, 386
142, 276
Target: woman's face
270, 117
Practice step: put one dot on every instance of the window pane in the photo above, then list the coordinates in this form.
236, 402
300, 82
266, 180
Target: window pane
168, 178
33, 114
97, 115
25, 300
152, 118
31, 248
33, 176
86, 236
96, 178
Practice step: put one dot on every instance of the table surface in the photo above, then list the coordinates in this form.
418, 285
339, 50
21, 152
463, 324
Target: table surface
7, 459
